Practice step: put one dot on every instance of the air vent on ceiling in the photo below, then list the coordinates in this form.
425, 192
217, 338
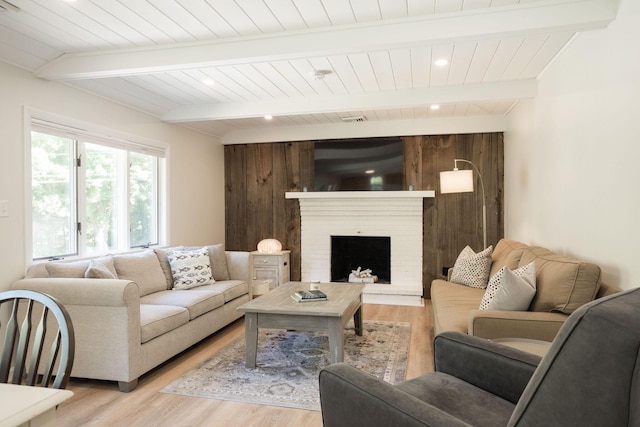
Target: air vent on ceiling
6, 6
351, 119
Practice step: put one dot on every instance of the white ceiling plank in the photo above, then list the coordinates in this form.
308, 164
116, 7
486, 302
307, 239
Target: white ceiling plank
552, 46
217, 91
209, 17
448, 6
345, 72
297, 74
483, 55
421, 7
235, 16
332, 82
476, 4
275, 77
421, 62
397, 33
503, 56
14, 55
42, 32
259, 80
234, 74
159, 20
402, 68
460, 63
387, 99
527, 51
288, 16
182, 17
393, 9
261, 15
361, 63
366, 10
381, 63
231, 86
313, 12
337, 12
32, 47
440, 75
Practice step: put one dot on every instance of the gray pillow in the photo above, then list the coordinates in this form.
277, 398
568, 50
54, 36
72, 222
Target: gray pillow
144, 269
98, 270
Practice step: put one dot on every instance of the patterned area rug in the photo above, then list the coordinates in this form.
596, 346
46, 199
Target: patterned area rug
289, 364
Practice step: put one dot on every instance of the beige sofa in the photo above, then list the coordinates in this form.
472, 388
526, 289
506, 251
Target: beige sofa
563, 284
124, 327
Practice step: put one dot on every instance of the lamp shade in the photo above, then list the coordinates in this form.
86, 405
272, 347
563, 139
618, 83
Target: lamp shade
456, 181
269, 246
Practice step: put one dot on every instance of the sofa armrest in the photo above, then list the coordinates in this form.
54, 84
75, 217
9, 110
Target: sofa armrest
353, 398
515, 324
239, 265
496, 368
105, 314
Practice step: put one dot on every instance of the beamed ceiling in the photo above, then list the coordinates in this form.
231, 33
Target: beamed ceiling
377, 57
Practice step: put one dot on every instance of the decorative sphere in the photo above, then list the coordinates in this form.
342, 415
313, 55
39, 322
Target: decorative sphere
269, 246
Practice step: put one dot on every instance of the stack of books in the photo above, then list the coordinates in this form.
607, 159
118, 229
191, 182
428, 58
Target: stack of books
307, 296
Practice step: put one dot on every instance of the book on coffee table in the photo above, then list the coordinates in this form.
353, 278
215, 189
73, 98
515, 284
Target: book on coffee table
305, 296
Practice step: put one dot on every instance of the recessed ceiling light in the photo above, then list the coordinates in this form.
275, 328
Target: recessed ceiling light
435, 107
441, 62
268, 117
369, 171
208, 82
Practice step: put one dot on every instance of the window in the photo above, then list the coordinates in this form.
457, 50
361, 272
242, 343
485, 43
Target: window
91, 195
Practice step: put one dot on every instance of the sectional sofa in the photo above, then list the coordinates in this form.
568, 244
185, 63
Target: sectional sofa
562, 285
128, 318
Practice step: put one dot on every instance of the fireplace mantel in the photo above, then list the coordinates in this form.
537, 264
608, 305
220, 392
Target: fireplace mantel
394, 214
358, 194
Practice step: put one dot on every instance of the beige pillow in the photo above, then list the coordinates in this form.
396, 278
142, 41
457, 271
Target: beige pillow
73, 269
98, 270
143, 268
510, 290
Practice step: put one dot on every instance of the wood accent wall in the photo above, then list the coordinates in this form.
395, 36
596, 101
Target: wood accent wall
258, 175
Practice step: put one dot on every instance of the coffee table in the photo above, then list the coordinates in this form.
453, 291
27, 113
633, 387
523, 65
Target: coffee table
277, 310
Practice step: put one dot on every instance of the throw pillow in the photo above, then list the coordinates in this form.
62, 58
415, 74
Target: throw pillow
143, 268
510, 290
98, 270
190, 268
75, 269
218, 258
472, 269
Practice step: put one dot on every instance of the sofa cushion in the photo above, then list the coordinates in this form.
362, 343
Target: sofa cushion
143, 268
196, 301
472, 269
156, 320
563, 283
454, 303
510, 290
231, 289
75, 269
507, 253
190, 268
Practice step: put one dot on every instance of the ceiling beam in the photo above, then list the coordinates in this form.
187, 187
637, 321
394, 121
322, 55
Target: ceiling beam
367, 101
491, 23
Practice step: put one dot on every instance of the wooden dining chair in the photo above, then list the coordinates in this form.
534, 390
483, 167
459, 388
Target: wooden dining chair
38, 345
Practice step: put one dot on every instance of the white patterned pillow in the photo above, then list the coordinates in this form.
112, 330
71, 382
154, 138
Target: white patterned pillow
190, 268
472, 269
510, 290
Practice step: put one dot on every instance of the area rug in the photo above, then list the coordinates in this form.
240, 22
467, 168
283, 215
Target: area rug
289, 362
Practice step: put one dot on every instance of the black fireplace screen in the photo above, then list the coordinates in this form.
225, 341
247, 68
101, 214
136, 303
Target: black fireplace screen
350, 252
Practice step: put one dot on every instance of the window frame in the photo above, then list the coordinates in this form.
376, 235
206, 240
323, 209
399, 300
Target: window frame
84, 133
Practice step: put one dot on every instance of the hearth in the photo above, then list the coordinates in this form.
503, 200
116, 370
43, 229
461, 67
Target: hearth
367, 252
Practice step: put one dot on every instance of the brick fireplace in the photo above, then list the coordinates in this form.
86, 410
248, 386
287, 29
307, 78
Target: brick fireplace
393, 214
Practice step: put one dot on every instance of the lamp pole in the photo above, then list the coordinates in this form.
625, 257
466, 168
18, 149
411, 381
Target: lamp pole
484, 201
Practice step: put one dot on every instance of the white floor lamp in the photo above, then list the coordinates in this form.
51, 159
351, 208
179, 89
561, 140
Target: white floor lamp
461, 181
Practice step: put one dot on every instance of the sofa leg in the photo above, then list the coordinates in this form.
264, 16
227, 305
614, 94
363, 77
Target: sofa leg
126, 387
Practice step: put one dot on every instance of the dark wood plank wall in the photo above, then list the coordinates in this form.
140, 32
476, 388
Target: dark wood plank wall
258, 175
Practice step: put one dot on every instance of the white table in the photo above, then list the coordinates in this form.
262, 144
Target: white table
22, 405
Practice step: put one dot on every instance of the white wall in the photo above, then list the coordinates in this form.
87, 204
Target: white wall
572, 153
196, 162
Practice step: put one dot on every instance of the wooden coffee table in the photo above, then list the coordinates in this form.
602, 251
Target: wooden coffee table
277, 310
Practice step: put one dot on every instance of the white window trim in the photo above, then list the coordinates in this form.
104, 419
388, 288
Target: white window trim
102, 135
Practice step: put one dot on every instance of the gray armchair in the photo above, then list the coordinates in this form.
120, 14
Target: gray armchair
589, 377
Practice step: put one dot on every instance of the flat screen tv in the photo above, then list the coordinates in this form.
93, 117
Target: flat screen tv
367, 164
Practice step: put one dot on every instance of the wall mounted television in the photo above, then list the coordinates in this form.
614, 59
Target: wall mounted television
364, 164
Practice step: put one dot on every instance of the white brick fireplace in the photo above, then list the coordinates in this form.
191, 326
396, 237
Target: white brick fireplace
394, 214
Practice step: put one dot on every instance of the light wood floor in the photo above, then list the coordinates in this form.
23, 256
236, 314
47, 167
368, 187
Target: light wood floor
99, 403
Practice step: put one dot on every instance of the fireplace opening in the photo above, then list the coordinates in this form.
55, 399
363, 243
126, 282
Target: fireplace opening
350, 252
